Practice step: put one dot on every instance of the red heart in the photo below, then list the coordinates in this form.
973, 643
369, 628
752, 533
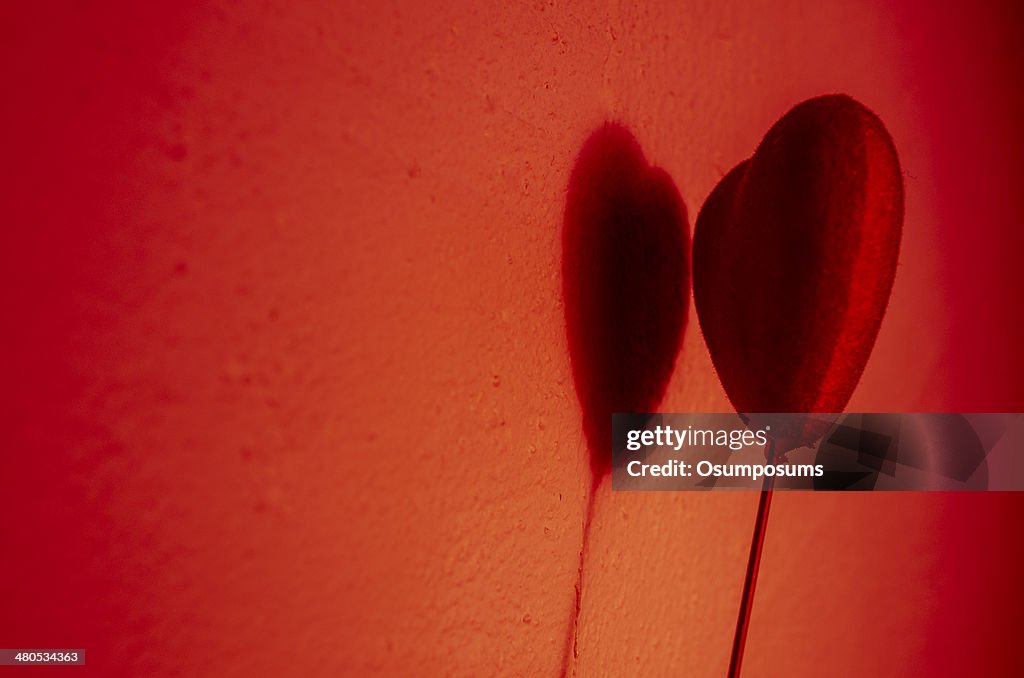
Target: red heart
794, 256
625, 280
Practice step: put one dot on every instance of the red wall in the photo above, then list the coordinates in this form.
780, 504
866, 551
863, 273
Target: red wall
288, 387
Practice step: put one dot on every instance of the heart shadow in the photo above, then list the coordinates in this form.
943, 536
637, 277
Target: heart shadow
626, 282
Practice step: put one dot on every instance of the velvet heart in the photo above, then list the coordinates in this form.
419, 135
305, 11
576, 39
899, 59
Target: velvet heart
794, 256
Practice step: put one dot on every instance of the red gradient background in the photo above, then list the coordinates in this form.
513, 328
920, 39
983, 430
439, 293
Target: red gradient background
288, 389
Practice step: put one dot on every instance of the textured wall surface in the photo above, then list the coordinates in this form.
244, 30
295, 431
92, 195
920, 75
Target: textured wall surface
288, 384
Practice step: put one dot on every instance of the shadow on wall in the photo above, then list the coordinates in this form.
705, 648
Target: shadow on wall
626, 282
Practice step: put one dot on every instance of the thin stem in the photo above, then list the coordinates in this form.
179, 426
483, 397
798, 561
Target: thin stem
753, 564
